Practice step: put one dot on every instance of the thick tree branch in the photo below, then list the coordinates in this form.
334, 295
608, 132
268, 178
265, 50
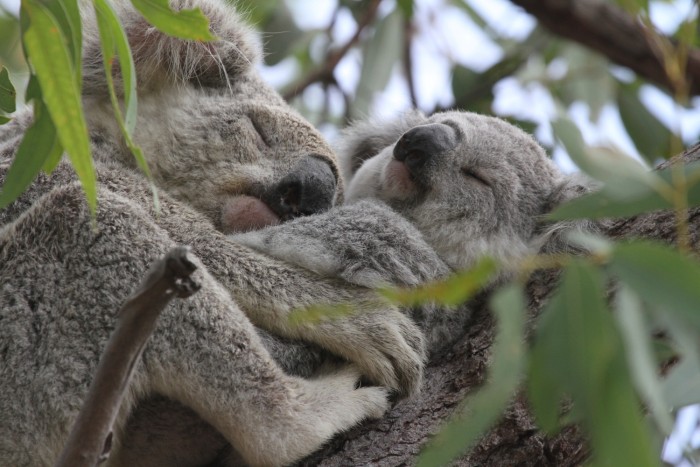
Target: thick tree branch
609, 30
89, 442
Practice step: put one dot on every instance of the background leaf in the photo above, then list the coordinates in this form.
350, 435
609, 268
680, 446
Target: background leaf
482, 409
185, 24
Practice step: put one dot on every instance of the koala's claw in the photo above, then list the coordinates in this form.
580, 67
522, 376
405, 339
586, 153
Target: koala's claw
386, 345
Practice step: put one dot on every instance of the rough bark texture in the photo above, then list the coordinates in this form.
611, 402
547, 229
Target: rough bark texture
396, 439
606, 28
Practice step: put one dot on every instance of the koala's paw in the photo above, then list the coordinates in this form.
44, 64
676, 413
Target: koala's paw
351, 400
385, 344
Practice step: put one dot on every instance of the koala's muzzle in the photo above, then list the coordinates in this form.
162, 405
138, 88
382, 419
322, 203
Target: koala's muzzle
308, 189
418, 145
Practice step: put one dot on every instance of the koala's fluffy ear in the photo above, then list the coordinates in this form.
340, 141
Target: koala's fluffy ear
366, 138
162, 60
553, 237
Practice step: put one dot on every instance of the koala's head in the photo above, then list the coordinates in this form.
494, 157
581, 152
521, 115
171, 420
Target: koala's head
214, 134
473, 185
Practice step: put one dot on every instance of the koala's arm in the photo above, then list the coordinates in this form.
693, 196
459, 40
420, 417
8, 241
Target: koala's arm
385, 343
365, 243
387, 346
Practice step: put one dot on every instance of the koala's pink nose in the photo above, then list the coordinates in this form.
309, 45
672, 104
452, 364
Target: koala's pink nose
420, 144
309, 188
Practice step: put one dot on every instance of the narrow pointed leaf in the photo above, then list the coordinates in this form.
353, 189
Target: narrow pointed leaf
8, 95
675, 290
35, 148
185, 24
640, 356
453, 291
114, 40
50, 58
484, 408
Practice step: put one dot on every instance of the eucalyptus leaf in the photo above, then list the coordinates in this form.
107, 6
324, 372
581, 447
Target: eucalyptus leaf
602, 204
185, 24
623, 176
380, 54
67, 15
8, 95
578, 353
33, 151
588, 78
640, 356
455, 290
651, 138
661, 276
482, 409
50, 57
114, 40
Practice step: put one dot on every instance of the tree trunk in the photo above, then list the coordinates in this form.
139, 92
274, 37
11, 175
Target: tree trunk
397, 438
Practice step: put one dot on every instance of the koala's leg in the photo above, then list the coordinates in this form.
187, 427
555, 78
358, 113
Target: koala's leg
61, 285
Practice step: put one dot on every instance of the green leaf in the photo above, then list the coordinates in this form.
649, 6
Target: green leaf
682, 385
406, 7
455, 290
114, 39
4, 120
67, 15
380, 54
35, 148
8, 95
683, 380
481, 410
577, 352
588, 78
660, 275
640, 356
624, 177
185, 24
651, 138
50, 58
602, 204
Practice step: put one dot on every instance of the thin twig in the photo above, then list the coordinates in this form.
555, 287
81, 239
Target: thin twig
90, 440
408, 61
323, 73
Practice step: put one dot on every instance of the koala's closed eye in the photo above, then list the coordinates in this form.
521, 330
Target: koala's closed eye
472, 174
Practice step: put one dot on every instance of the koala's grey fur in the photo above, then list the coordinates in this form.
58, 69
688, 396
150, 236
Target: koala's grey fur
482, 192
216, 139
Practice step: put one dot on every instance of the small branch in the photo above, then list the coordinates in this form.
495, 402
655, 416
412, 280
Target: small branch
611, 31
408, 61
90, 440
325, 72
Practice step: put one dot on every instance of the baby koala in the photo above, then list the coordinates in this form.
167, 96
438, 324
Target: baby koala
428, 196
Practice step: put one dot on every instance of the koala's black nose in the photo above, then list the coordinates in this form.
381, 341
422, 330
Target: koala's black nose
418, 145
308, 189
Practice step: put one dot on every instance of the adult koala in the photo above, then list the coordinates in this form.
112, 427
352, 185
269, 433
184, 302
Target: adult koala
429, 196
227, 154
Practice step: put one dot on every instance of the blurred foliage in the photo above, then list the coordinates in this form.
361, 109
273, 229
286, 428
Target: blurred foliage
592, 360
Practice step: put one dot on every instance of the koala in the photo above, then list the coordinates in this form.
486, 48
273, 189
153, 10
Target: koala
214, 384
428, 196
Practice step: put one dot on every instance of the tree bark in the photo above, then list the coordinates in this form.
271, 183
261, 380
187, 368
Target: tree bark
396, 439
608, 29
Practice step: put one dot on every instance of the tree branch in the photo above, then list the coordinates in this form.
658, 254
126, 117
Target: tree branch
90, 439
609, 30
325, 72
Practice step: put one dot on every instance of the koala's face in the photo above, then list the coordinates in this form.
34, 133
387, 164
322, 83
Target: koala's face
214, 135
473, 185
